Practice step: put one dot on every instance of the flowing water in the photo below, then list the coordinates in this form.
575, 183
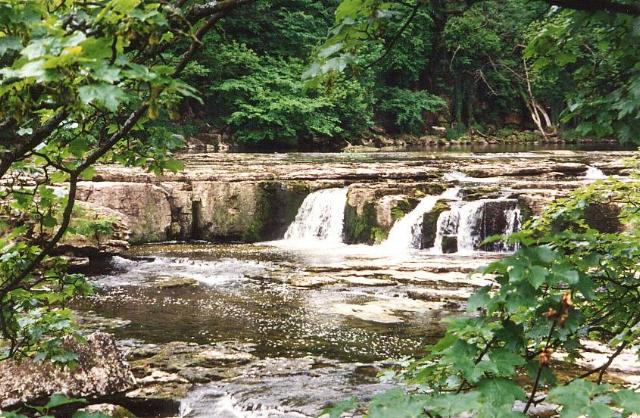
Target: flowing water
594, 173
315, 319
320, 218
469, 224
407, 232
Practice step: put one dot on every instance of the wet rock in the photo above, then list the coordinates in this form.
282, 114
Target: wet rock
244, 211
175, 357
449, 244
312, 282
372, 209
173, 282
383, 311
110, 410
92, 321
360, 148
100, 370
430, 223
367, 281
282, 387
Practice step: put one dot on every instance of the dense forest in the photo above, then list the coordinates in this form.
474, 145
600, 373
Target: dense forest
99, 97
447, 67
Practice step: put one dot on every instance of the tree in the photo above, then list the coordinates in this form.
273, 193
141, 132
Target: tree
80, 82
478, 57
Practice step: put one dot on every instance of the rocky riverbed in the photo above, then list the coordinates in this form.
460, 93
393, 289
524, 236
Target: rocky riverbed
328, 268
271, 330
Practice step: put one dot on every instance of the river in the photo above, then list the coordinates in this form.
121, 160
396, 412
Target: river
288, 326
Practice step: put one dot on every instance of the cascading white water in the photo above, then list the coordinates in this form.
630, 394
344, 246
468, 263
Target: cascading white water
466, 224
468, 234
447, 224
594, 173
320, 217
407, 232
514, 219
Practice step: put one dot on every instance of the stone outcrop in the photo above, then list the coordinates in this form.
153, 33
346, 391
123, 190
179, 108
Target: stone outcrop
430, 223
100, 370
254, 197
143, 206
216, 211
372, 209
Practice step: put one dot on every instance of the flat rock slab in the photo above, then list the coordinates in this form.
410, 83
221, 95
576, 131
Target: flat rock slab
383, 311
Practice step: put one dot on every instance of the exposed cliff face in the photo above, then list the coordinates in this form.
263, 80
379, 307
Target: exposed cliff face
254, 197
243, 211
216, 211
144, 207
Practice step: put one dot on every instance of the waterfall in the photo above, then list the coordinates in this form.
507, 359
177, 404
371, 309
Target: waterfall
594, 173
469, 234
320, 217
466, 225
447, 225
407, 232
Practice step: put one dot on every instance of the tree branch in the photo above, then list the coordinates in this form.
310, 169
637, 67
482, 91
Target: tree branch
209, 8
632, 9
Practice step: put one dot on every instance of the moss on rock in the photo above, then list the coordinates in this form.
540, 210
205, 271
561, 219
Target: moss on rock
358, 228
430, 223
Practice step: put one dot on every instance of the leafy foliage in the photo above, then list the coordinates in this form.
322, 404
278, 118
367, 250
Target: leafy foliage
594, 57
80, 82
573, 279
407, 108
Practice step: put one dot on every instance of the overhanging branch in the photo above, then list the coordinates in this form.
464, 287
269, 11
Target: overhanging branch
632, 9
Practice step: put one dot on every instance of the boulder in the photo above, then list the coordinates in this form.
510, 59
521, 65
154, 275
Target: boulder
372, 209
100, 370
430, 223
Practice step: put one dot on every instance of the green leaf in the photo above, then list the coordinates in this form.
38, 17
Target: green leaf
581, 398
107, 95
500, 392
124, 6
397, 403
537, 276
9, 43
480, 299
505, 361
88, 173
338, 409
452, 405
58, 399
546, 254
85, 414
628, 400
567, 275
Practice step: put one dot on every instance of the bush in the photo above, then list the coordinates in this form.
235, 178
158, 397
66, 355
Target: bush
407, 108
271, 104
